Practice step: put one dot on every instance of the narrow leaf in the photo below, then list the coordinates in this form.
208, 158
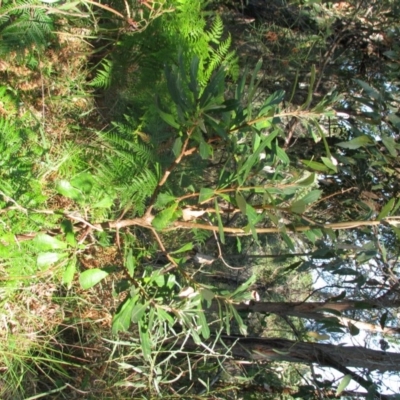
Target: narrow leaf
386, 209
69, 273
241, 202
343, 384
220, 225
138, 311
356, 143
145, 341
122, 319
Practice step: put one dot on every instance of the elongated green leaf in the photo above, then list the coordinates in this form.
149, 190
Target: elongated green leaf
310, 180
194, 70
130, 263
69, 272
390, 145
70, 6
373, 93
243, 287
343, 384
47, 259
205, 330
281, 154
138, 311
92, 277
328, 162
356, 143
316, 166
177, 147
255, 157
394, 119
169, 119
186, 247
164, 316
47, 242
312, 196
386, 209
145, 341
220, 225
239, 320
241, 202
122, 318
310, 88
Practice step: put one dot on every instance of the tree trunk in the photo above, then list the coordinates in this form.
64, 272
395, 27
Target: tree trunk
325, 355
311, 310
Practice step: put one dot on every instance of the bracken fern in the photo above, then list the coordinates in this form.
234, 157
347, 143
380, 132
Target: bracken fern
24, 25
128, 165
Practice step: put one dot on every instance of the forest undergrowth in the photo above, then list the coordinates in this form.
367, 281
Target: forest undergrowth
167, 165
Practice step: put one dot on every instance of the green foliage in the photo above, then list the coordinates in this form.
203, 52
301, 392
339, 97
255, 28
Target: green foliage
25, 25
128, 166
190, 156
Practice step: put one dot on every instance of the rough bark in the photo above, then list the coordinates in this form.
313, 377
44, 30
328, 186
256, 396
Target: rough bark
312, 310
326, 355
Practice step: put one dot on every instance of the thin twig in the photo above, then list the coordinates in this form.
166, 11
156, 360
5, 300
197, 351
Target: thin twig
167, 174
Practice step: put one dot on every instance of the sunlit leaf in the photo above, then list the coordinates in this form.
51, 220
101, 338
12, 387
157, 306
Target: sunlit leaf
84, 182
69, 273
316, 166
92, 277
328, 162
138, 311
122, 318
343, 384
241, 202
356, 143
105, 202
205, 194
46, 242
47, 259
164, 218
220, 225
66, 189
386, 209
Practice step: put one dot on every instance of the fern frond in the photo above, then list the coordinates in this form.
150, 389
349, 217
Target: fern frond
128, 165
24, 25
103, 76
216, 31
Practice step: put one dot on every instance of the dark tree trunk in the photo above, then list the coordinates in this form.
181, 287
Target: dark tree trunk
325, 355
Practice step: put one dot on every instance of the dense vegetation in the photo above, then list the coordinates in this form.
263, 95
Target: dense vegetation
199, 199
